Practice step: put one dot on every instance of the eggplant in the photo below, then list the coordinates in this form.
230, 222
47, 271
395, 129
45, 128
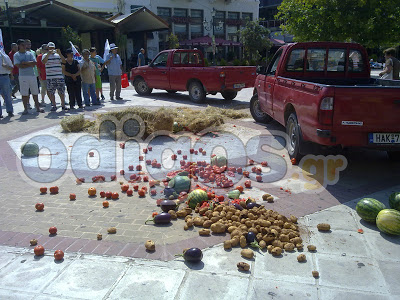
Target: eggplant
252, 204
250, 237
238, 206
163, 218
193, 255
167, 205
169, 191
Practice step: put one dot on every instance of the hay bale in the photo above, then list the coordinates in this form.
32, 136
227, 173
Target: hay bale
73, 123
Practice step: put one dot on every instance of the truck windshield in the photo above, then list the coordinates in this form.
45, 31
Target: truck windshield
161, 60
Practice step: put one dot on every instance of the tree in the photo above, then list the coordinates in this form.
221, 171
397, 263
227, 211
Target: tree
372, 23
255, 38
67, 35
173, 41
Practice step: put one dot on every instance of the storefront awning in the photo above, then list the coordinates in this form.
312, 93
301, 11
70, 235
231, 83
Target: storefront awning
62, 14
140, 20
207, 41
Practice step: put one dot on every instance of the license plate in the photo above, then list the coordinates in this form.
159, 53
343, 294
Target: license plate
239, 85
384, 138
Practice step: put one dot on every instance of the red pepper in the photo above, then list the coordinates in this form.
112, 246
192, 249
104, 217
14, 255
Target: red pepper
154, 214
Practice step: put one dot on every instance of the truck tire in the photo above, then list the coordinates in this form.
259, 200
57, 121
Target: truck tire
171, 91
196, 92
229, 95
295, 139
393, 155
141, 87
256, 112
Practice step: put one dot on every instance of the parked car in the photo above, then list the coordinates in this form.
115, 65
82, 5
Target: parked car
184, 70
323, 94
376, 65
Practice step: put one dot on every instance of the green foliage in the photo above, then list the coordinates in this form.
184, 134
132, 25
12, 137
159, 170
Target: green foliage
67, 35
252, 62
245, 62
255, 38
173, 41
222, 62
206, 62
372, 23
236, 62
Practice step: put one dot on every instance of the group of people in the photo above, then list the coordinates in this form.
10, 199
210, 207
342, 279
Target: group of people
50, 70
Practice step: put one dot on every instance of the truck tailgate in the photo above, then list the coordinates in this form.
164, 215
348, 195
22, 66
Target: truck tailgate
239, 77
366, 110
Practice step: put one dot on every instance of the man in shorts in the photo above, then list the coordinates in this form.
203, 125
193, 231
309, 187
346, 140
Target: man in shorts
25, 61
54, 75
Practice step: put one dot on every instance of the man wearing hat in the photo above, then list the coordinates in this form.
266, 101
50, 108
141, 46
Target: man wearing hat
54, 75
141, 61
114, 66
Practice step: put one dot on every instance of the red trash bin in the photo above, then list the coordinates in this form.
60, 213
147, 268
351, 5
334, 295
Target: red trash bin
124, 80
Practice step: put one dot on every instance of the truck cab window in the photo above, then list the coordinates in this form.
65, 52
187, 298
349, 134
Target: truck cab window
295, 62
274, 63
161, 60
336, 60
177, 59
316, 60
356, 62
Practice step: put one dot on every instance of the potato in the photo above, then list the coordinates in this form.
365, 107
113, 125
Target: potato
252, 229
204, 231
215, 219
262, 244
270, 199
173, 214
207, 224
236, 232
292, 235
203, 210
277, 243
324, 227
189, 223
231, 228
99, 237
197, 221
243, 228
242, 266
188, 217
287, 225
219, 208
275, 232
218, 228
188, 210
265, 223
301, 258
269, 248
293, 219
299, 246
215, 214
235, 241
289, 247
248, 224
229, 215
242, 241
268, 238
181, 213
265, 196
34, 242
227, 244
150, 245
284, 238
235, 218
276, 251
112, 230
315, 274
296, 240
248, 253
259, 237
185, 227
311, 248
208, 213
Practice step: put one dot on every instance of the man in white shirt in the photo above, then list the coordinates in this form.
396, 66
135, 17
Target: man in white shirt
6, 68
54, 75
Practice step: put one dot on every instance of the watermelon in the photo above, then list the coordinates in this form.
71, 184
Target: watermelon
30, 149
180, 183
368, 209
388, 221
219, 161
394, 201
195, 197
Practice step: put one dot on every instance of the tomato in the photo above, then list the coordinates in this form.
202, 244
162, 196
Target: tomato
124, 187
54, 190
144, 150
173, 156
246, 174
251, 162
72, 197
91, 154
179, 151
191, 150
53, 230
122, 172
113, 177
39, 250
150, 148
247, 184
141, 158
239, 170
220, 198
264, 164
115, 196
39, 206
102, 194
108, 194
58, 255
106, 204
43, 190
138, 168
153, 192
136, 187
129, 192
142, 193
152, 183
293, 161
239, 188
130, 168
92, 191
145, 178
184, 157
259, 178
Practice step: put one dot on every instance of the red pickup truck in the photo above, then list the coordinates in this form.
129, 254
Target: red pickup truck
323, 94
184, 70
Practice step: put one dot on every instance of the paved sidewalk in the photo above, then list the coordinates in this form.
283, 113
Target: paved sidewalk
351, 266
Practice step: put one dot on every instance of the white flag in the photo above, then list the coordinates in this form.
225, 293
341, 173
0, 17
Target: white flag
77, 55
106, 50
1, 42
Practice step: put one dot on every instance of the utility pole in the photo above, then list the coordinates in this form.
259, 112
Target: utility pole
9, 20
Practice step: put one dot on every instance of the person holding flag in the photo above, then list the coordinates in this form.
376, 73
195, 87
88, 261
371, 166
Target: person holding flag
77, 56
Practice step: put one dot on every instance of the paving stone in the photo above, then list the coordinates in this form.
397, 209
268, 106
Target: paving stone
383, 246
199, 286
15, 295
339, 219
275, 290
148, 283
30, 274
6, 258
355, 273
390, 271
336, 294
99, 274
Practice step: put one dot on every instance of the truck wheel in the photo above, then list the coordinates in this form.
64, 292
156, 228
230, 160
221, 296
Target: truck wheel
394, 155
141, 87
256, 112
295, 139
171, 91
196, 92
229, 95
